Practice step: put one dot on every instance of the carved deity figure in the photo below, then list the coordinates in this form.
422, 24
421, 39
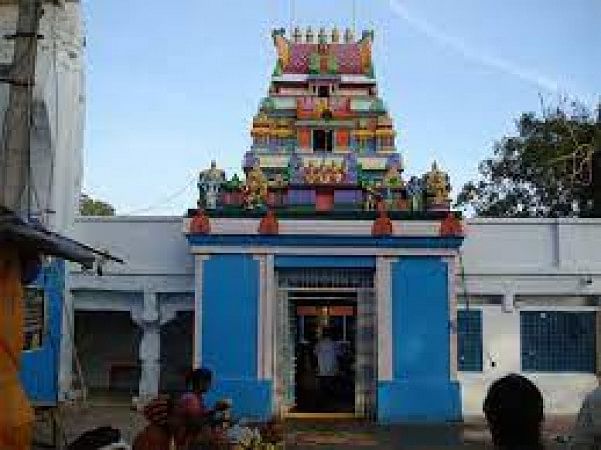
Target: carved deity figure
256, 187
210, 182
392, 177
437, 186
311, 173
339, 172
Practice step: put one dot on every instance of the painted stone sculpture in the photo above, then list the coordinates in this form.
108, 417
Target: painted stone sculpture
210, 182
438, 188
256, 188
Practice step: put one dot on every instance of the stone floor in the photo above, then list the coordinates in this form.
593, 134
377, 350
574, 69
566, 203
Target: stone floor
303, 434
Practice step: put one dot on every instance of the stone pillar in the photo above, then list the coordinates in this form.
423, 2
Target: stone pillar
150, 346
384, 313
198, 287
266, 317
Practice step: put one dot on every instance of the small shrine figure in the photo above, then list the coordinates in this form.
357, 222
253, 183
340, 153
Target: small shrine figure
370, 200
210, 182
256, 187
311, 173
393, 178
415, 193
339, 173
438, 188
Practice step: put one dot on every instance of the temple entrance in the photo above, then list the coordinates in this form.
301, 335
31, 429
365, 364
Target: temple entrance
325, 351
326, 342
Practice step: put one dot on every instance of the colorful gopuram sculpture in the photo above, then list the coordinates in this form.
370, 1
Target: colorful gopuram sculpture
322, 140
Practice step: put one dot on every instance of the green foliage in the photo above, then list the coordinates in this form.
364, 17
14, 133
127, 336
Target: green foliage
530, 173
90, 207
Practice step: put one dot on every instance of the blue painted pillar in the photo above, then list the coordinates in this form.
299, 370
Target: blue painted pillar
421, 389
230, 308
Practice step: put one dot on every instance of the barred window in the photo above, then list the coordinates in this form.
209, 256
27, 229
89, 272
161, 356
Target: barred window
469, 340
558, 341
34, 319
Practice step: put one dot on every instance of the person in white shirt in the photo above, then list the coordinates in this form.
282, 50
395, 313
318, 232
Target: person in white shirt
327, 352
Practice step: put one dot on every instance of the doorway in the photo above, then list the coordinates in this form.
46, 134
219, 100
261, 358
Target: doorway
339, 302
325, 351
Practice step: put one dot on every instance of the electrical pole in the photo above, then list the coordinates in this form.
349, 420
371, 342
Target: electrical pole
15, 164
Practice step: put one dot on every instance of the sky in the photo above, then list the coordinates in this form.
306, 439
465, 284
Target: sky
173, 85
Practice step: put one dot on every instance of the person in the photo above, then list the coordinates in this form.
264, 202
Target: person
514, 412
586, 434
160, 432
327, 352
197, 423
178, 424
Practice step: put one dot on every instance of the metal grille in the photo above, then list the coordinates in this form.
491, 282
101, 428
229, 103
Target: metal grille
366, 355
558, 341
285, 354
469, 340
325, 278
34, 319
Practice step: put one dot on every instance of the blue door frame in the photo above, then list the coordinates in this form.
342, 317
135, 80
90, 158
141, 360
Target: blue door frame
39, 367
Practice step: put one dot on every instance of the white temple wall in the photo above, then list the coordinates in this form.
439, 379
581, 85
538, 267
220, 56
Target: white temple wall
506, 258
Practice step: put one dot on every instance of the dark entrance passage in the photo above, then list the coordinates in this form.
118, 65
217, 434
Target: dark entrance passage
341, 301
177, 338
325, 351
107, 344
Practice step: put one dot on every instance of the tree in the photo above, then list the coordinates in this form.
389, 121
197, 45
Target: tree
90, 207
544, 170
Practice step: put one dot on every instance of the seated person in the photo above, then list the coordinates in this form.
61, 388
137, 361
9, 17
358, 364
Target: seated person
198, 422
182, 422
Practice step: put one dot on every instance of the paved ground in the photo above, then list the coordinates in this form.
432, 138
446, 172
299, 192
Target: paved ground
309, 435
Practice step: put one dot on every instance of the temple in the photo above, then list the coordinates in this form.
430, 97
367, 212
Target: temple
316, 236
323, 141
325, 238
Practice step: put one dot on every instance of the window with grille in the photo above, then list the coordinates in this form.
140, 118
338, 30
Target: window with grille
469, 340
558, 341
34, 319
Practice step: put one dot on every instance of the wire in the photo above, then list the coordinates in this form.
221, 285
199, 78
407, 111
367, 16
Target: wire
165, 200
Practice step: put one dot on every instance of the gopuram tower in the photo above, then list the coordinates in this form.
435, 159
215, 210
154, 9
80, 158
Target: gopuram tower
325, 235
